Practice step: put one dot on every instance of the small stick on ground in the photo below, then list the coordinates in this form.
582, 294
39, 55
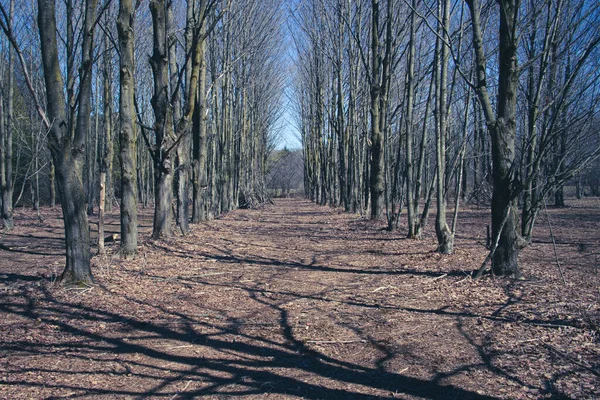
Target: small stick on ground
335, 341
182, 390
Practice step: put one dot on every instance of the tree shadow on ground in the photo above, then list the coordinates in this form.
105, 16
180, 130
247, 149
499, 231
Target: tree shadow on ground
240, 363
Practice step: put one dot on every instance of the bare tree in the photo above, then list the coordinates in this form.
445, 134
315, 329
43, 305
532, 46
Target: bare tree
444, 235
501, 124
68, 153
168, 130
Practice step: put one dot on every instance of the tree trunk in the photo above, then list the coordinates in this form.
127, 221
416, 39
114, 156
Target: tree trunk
108, 121
376, 175
444, 235
411, 202
5, 182
107, 143
52, 179
127, 135
6, 143
67, 155
163, 127
172, 125
163, 198
502, 128
101, 202
182, 153
200, 144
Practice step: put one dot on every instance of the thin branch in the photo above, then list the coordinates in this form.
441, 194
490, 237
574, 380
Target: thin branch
554, 245
7, 28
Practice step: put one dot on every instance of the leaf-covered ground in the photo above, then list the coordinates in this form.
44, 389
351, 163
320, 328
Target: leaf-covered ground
301, 301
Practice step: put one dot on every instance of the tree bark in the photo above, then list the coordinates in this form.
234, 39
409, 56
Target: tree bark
127, 134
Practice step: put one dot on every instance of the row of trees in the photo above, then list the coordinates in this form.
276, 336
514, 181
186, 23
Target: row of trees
401, 102
184, 93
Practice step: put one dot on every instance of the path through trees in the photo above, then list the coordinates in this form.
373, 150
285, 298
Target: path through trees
300, 301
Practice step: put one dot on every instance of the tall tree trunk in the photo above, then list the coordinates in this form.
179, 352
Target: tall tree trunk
6, 142
444, 235
411, 202
200, 143
127, 134
376, 176
171, 126
5, 161
163, 127
108, 122
502, 128
107, 144
101, 207
67, 154
342, 130
182, 153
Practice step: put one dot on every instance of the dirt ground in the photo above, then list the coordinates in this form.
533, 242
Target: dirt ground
301, 301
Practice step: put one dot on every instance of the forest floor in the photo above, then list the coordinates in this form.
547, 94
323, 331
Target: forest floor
300, 301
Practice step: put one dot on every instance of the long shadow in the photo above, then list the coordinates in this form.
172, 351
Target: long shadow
14, 278
442, 311
257, 363
28, 244
229, 257
37, 253
248, 365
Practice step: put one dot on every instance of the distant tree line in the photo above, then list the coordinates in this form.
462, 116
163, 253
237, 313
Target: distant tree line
285, 173
404, 105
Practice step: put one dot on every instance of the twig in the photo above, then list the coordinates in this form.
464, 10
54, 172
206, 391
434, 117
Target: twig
180, 347
528, 340
554, 245
336, 341
184, 388
464, 279
198, 276
439, 277
156, 278
379, 289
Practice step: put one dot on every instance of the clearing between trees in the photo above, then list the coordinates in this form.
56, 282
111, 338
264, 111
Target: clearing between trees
300, 301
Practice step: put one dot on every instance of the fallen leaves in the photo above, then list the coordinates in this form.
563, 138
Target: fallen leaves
304, 294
